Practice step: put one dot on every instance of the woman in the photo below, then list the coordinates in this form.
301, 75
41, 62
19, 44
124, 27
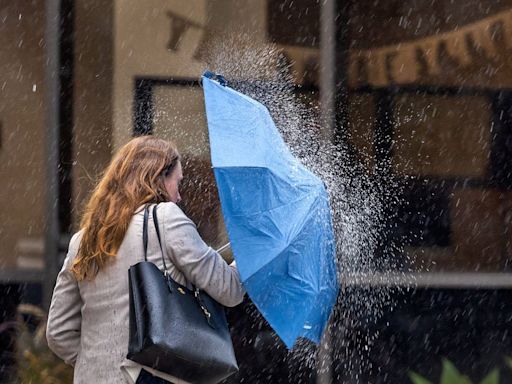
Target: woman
88, 318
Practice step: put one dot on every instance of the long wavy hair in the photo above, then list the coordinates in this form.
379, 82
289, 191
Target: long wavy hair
134, 177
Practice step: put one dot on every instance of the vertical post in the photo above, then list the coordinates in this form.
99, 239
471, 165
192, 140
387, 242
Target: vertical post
52, 79
328, 67
334, 64
341, 47
334, 101
324, 371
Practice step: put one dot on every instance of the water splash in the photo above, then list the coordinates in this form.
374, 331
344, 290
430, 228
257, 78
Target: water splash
360, 200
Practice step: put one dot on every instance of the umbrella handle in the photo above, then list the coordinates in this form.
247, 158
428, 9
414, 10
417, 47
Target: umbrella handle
224, 247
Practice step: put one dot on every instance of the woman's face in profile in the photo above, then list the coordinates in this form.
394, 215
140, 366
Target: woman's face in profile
172, 183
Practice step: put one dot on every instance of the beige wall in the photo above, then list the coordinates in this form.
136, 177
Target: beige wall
141, 35
22, 114
142, 31
22, 158
92, 131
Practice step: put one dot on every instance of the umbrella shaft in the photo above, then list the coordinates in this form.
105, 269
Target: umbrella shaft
224, 247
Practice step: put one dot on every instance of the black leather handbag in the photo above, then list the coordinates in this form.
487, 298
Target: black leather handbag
174, 329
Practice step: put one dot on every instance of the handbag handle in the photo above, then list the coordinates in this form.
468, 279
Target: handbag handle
157, 229
194, 288
145, 235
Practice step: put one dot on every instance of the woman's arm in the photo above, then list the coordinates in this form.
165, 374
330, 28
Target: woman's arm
200, 264
65, 318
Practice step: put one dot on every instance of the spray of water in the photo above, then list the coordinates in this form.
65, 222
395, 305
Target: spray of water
360, 201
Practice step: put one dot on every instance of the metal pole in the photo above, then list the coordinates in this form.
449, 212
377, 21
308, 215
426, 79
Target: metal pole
341, 48
334, 100
324, 368
52, 80
328, 67
334, 62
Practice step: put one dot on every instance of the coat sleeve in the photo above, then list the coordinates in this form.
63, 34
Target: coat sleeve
65, 319
200, 264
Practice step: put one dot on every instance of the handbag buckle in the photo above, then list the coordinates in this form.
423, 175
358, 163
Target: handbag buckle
208, 314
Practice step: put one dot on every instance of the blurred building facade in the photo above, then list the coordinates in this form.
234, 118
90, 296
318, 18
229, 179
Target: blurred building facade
422, 94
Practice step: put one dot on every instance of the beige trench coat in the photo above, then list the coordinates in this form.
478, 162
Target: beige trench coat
88, 320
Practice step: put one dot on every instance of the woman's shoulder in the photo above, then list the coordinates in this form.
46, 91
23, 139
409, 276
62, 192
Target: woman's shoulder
172, 211
173, 217
74, 243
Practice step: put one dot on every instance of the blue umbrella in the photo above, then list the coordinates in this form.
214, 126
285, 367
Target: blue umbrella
276, 212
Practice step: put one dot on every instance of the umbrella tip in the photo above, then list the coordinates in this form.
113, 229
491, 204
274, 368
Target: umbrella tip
214, 76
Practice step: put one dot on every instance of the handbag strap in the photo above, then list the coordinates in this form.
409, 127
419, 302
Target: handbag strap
145, 232
196, 291
157, 229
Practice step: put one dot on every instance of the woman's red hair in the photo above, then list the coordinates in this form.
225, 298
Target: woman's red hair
134, 177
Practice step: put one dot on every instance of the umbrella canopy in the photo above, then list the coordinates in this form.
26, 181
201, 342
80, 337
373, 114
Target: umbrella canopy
277, 215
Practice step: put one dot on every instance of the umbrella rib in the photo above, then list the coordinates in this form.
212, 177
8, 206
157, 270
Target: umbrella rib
273, 208
288, 242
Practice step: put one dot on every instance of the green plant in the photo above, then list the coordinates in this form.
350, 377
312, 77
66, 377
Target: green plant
36, 363
450, 375
508, 361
